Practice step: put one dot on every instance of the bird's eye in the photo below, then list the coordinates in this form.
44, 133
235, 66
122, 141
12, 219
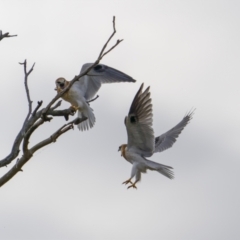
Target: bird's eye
61, 84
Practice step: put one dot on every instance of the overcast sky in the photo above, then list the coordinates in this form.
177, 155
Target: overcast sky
188, 52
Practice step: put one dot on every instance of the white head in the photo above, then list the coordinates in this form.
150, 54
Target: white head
61, 83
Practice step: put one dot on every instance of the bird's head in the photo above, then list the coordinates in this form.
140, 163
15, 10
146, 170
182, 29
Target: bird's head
122, 149
61, 83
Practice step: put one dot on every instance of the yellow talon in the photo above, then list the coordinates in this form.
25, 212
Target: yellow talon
133, 186
127, 181
75, 108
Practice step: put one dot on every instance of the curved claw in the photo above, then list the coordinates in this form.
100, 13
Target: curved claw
127, 181
133, 186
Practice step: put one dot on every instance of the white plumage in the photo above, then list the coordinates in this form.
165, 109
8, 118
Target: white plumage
141, 140
86, 88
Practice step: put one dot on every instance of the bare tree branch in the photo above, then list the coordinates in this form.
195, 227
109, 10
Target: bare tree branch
58, 104
109, 39
59, 113
93, 99
53, 138
29, 133
38, 117
38, 106
29, 153
76, 78
27, 73
28, 124
5, 35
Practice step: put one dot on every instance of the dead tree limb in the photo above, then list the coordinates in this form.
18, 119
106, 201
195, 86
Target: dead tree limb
76, 78
5, 35
37, 117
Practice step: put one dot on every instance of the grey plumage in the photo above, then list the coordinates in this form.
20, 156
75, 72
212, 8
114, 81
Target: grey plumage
141, 140
167, 139
86, 88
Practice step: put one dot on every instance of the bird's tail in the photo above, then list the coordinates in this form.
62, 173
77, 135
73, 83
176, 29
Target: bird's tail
163, 169
89, 123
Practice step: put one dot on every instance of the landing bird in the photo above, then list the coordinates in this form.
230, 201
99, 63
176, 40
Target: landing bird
86, 88
141, 140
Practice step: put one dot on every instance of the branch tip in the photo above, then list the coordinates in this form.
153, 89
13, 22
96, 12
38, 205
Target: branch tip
93, 99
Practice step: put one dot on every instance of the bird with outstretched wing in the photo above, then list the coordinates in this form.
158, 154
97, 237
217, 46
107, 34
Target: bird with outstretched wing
86, 88
141, 140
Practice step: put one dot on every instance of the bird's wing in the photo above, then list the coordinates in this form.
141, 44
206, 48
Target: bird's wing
139, 124
101, 73
167, 139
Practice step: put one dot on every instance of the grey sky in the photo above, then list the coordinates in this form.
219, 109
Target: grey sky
188, 52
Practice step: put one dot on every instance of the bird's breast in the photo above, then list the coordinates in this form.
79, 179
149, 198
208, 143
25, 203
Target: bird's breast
74, 96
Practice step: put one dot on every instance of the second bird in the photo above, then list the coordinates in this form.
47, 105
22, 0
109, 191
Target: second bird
141, 140
86, 88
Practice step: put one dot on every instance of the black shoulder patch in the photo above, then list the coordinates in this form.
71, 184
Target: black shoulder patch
98, 67
133, 119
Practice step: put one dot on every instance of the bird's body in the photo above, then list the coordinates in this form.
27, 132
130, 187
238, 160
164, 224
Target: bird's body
141, 140
141, 165
75, 96
86, 88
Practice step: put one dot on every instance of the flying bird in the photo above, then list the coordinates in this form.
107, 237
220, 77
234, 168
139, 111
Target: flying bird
86, 88
141, 140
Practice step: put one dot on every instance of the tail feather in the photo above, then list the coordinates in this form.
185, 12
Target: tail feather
89, 123
163, 169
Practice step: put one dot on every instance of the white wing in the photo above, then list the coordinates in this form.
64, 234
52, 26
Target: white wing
139, 124
167, 139
91, 82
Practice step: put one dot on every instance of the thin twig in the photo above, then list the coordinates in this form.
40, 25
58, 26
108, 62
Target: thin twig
38, 106
5, 35
58, 104
118, 41
93, 99
28, 154
76, 78
54, 136
109, 39
26, 74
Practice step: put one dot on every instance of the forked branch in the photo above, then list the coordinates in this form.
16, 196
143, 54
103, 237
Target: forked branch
29, 153
5, 35
76, 78
37, 117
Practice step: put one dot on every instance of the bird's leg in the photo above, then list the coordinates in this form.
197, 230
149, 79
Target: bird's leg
128, 181
133, 185
74, 108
